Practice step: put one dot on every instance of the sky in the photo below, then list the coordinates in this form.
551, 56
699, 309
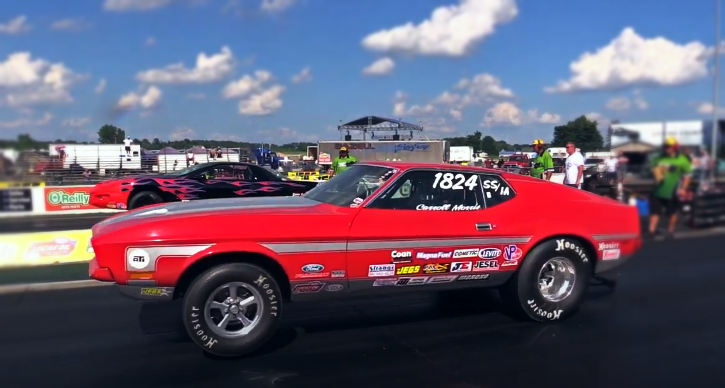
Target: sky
292, 70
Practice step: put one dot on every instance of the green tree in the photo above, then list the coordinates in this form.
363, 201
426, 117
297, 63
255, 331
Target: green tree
111, 134
489, 146
582, 132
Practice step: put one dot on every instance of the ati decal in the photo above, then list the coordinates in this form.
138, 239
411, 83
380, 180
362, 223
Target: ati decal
334, 287
481, 276
486, 265
408, 270
611, 254
436, 268
385, 282
307, 288
312, 275
463, 253
381, 270
489, 253
461, 266
605, 246
437, 255
401, 255
565, 244
411, 281
313, 268
441, 279
552, 315
338, 274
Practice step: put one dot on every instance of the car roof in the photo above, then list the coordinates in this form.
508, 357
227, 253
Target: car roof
438, 166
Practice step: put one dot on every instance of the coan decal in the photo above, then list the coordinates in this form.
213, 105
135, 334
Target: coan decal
566, 245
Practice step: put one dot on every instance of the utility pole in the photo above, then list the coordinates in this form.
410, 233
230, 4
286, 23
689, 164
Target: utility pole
716, 87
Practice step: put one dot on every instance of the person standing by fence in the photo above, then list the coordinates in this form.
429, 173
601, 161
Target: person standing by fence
672, 172
543, 165
574, 167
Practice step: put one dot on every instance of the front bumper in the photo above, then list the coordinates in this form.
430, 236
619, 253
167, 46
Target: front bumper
146, 293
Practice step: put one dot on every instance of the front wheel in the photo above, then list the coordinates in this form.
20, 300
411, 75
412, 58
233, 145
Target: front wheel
144, 198
551, 282
233, 309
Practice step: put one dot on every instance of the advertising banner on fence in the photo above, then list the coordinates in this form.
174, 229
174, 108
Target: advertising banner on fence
68, 198
30, 249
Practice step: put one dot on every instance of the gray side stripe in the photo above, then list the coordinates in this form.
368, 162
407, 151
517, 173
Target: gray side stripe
629, 236
400, 244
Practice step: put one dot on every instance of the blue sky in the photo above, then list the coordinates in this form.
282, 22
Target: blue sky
290, 70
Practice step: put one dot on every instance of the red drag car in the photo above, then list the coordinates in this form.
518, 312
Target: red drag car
376, 228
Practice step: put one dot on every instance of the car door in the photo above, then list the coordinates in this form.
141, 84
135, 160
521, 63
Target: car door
428, 222
218, 181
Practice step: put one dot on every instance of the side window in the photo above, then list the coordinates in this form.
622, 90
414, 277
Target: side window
433, 191
495, 190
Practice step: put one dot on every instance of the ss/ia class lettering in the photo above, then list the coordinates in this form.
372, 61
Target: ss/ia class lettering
262, 281
553, 315
563, 244
199, 331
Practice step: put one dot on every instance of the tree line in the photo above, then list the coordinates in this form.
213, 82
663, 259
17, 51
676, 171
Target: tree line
582, 131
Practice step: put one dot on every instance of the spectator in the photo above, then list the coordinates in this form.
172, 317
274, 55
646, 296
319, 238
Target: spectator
705, 166
189, 157
219, 152
128, 143
672, 174
574, 167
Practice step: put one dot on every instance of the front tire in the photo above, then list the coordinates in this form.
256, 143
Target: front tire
144, 198
551, 283
233, 309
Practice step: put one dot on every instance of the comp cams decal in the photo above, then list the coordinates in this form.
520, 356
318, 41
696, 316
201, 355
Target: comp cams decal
565, 244
436, 268
552, 315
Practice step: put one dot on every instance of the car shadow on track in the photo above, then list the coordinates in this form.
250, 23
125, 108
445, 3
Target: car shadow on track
162, 321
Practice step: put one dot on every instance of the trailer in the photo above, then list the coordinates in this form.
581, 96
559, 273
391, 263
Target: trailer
99, 157
429, 151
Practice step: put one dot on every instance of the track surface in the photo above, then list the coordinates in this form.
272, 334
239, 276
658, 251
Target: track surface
662, 327
51, 223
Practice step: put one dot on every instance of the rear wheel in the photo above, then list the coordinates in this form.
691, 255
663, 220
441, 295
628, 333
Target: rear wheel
551, 282
144, 198
233, 309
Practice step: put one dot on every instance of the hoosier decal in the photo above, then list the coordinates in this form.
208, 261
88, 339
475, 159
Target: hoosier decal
566, 244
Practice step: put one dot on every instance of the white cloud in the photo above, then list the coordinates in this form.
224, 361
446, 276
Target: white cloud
101, 86
277, 5
76, 122
481, 89
207, 69
626, 103
259, 98
706, 108
150, 41
506, 113
382, 66
631, 60
304, 76
182, 133
25, 81
15, 26
23, 123
451, 30
70, 25
400, 107
133, 100
134, 5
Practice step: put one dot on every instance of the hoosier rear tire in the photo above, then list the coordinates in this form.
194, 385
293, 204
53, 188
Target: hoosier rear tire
233, 309
551, 282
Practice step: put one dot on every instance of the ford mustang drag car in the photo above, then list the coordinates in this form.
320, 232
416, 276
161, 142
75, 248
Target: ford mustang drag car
203, 181
375, 228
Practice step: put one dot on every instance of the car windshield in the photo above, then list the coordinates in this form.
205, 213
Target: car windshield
593, 161
187, 170
351, 186
517, 158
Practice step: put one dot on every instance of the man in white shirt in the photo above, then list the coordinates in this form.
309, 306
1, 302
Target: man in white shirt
611, 164
127, 142
574, 166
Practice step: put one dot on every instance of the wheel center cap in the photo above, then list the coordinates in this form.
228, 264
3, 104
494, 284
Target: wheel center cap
234, 309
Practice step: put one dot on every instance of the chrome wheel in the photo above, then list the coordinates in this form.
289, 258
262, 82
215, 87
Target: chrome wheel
556, 279
233, 310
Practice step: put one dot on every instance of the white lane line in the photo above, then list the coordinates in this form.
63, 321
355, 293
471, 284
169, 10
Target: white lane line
34, 287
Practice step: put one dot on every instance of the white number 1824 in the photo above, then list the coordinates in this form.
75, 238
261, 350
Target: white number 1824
446, 181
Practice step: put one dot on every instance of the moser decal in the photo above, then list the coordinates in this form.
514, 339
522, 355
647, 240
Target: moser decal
307, 288
334, 287
552, 315
464, 253
611, 254
441, 279
436, 255
313, 268
436, 268
381, 270
408, 270
482, 276
565, 244
486, 265
489, 253
338, 274
461, 266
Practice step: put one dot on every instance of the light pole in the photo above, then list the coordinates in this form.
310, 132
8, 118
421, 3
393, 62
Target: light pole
716, 85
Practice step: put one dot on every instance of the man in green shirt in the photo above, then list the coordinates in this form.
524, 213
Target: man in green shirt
543, 165
343, 161
672, 175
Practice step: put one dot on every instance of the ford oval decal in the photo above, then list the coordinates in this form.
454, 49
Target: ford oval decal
312, 268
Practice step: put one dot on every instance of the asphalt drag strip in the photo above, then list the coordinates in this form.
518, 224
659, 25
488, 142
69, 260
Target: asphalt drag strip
662, 326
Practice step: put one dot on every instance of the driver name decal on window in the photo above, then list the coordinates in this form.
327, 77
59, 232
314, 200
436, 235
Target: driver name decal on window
449, 181
448, 208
